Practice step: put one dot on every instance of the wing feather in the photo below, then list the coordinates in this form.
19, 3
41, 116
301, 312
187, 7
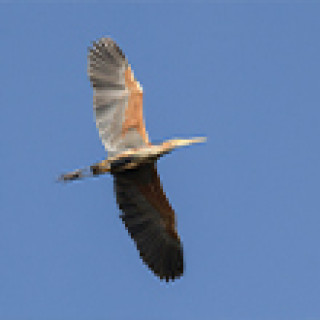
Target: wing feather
118, 98
149, 219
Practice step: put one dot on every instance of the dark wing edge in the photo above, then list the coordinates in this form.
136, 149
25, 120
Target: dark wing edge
150, 220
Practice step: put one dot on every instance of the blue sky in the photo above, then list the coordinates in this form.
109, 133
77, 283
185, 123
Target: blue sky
247, 202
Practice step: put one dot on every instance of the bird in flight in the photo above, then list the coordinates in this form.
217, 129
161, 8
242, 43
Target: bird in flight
146, 211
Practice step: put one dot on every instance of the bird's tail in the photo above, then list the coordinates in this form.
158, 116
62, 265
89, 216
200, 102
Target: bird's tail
91, 171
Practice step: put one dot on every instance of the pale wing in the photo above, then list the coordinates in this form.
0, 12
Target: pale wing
150, 220
118, 98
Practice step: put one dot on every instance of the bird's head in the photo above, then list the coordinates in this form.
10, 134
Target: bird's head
175, 143
172, 144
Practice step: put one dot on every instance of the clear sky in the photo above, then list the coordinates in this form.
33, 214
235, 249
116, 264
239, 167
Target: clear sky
247, 202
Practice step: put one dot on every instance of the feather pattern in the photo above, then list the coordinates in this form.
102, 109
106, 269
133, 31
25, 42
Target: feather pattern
118, 98
149, 219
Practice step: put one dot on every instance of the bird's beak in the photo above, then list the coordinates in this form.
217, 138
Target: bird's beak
187, 142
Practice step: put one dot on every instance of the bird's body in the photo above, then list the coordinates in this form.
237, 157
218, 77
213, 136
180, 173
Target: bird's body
147, 213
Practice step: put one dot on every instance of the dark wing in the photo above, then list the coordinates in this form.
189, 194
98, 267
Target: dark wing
118, 98
150, 220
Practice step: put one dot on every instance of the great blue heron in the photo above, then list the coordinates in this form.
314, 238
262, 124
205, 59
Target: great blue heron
146, 212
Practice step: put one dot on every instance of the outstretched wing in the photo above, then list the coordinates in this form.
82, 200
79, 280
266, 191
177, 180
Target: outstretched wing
150, 220
118, 98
